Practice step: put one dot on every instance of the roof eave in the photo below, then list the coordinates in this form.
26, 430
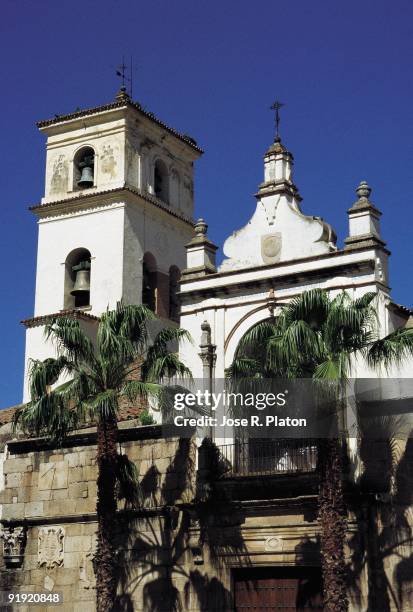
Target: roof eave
46, 124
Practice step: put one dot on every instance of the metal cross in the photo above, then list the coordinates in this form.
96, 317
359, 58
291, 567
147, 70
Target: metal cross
276, 107
121, 72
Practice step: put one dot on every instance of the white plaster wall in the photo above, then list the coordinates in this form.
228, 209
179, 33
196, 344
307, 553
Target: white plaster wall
364, 223
99, 231
150, 229
106, 138
231, 315
147, 142
298, 235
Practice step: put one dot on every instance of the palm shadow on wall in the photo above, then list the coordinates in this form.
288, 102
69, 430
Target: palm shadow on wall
155, 549
381, 504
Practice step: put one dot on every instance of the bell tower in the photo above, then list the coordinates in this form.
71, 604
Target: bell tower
116, 214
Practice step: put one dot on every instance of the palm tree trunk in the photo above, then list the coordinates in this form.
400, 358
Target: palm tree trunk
333, 522
106, 514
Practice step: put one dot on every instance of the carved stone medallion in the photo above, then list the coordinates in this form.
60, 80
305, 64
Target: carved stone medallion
51, 547
271, 247
273, 543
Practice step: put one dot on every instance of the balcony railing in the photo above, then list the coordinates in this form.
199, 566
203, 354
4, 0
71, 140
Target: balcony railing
258, 457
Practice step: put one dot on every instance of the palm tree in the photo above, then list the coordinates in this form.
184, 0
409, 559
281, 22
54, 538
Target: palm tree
122, 363
319, 337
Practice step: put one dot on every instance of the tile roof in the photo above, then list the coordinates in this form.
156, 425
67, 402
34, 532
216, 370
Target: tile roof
404, 310
126, 413
120, 104
6, 414
69, 313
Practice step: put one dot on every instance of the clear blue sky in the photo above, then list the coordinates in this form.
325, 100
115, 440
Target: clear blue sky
212, 69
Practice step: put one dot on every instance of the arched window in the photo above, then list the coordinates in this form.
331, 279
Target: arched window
77, 279
174, 304
149, 283
84, 169
161, 181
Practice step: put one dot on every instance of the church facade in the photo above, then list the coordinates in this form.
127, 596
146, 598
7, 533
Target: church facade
117, 222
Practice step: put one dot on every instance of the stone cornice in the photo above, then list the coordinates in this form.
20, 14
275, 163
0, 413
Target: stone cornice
361, 206
86, 200
88, 438
321, 257
365, 240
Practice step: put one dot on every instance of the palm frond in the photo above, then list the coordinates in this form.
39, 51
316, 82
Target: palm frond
163, 367
391, 350
104, 405
243, 368
48, 416
44, 374
365, 300
256, 337
160, 362
70, 339
137, 389
123, 331
128, 486
311, 306
328, 370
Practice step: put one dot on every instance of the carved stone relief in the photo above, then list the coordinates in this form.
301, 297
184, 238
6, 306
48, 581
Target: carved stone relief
60, 175
51, 547
14, 541
107, 161
87, 570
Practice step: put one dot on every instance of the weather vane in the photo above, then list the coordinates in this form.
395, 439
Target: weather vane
122, 71
276, 107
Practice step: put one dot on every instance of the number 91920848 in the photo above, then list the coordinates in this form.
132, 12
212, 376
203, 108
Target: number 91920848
9, 598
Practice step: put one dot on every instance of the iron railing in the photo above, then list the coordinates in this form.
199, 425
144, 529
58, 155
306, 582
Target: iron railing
257, 457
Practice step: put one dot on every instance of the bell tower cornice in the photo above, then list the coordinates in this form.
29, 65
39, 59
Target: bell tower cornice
60, 123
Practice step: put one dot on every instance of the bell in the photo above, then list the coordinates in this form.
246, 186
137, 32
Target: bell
82, 281
86, 178
86, 168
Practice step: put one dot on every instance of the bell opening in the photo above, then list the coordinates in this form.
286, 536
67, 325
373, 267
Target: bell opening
84, 169
81, 287
77, 279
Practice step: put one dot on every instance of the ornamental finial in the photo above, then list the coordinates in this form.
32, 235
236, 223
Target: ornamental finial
200, 227
363, 190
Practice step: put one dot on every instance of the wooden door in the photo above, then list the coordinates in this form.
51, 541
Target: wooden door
278, 588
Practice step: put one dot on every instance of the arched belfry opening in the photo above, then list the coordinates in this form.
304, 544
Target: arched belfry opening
84, 169
77, 279
174, 304
161, 181
149, 281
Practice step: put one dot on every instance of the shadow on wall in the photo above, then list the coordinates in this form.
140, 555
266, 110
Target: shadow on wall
157, 552
382, 544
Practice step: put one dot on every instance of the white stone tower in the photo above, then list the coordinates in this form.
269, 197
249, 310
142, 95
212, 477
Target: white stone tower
114, 220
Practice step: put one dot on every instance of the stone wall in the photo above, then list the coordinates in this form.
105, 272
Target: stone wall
176, 551
52, 494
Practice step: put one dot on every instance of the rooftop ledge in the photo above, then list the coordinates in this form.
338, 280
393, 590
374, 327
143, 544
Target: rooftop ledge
336, 259
65, 118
